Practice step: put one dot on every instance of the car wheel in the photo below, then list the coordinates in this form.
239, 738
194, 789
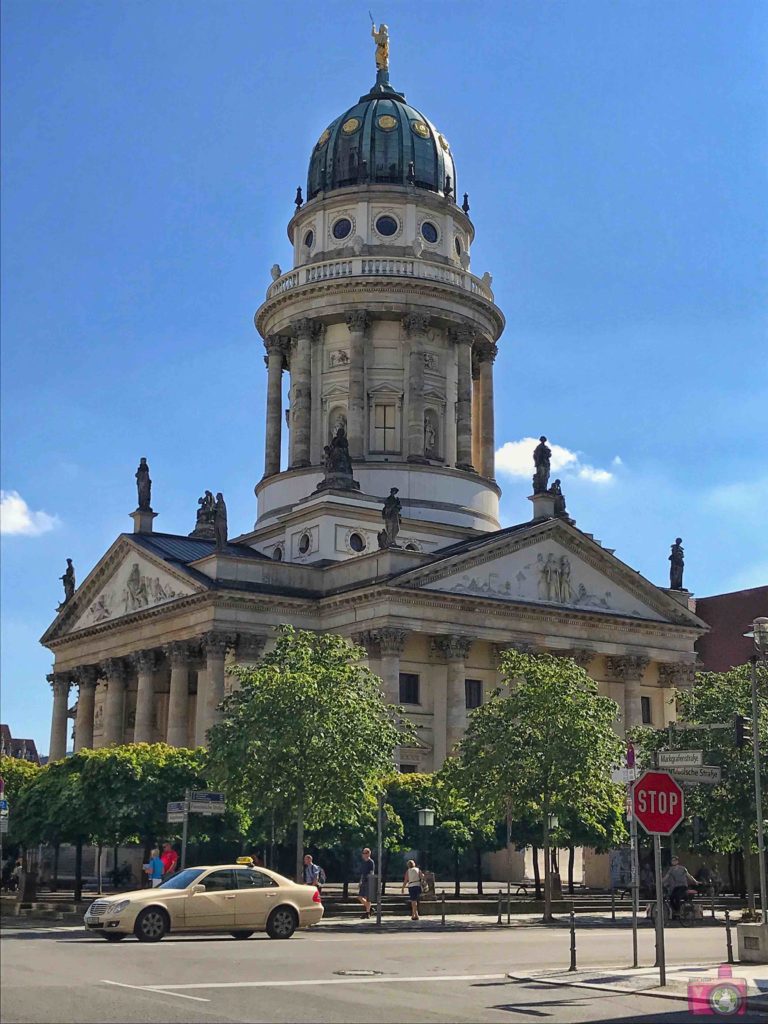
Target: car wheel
151, 925
282, 923
113, 936
241, 935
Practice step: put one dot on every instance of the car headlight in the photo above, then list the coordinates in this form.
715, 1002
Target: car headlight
118, 908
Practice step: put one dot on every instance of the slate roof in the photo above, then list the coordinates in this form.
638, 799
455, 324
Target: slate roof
172, 547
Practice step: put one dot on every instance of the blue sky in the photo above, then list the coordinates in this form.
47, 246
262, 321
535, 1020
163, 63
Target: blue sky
614, 154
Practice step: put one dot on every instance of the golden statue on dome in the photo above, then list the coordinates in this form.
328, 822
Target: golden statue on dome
381, 37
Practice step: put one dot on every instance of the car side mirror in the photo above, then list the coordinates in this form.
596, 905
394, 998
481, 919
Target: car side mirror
197, 888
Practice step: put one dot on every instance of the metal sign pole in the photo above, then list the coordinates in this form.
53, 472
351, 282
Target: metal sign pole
635, 874
379, 853
660, 957
185, 830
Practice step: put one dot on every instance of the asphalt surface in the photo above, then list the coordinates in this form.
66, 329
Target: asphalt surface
318, 975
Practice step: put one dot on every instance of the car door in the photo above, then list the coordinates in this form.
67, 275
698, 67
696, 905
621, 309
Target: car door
257, 893
215, 908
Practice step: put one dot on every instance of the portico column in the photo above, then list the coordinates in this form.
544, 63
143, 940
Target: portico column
358, 322
628, 669
275, 358
301, 392
178, 698
114, 708
464, 336
475, 410
486, 353
391, 644
60, 685
86, 701
415, 325
455, 650
145, 662
215, 647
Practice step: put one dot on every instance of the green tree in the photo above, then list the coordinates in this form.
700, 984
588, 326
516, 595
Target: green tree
540, 749
16, 773
307, 734
466, 821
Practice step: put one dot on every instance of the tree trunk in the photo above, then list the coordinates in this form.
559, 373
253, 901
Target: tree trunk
547, 870
571, 858
536, 875
456, 873
738, 874
78, 870
300, 842
55, 873
749, 883
479, 870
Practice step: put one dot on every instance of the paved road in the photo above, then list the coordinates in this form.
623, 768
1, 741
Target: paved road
430, 977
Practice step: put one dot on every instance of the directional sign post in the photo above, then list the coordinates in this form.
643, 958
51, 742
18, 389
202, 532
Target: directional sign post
672, 759
709, 774
658, 805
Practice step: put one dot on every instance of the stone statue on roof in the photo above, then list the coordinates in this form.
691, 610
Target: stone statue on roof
144, 486
542, 456
391, 514
676, 565
68, 579
220, 522
337, 463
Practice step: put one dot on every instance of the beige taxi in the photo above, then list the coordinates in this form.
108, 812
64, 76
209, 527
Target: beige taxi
237, 898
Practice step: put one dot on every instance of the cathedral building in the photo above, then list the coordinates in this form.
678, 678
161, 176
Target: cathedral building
382, 525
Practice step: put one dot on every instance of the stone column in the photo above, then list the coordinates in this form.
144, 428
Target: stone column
628, 669
464, 336
145, 663
301, 391
416, 325
391, 643
486, 353
178, 699
113, 671
358, 322
60, 684
86, 701
455, 650
215, 647
274, 359
476, 461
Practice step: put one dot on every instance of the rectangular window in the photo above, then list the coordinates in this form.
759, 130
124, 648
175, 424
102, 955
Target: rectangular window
384, 431
409, 688
645, 707
473, 692
407, 769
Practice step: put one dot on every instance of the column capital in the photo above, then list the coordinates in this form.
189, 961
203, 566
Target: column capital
277, 344
521, 646
60, 682
367, 638
415, 323
463, 334
114, 670
216, 643
144, 661
390, 639
178, 652
306, 327
627, 668
677, 674
86, 676
358, 321
249, 646
485, 350
452, 648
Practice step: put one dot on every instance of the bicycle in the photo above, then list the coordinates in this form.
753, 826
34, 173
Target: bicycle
686, 915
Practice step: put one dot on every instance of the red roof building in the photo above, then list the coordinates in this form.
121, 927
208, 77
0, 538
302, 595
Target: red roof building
11, 747
729, 617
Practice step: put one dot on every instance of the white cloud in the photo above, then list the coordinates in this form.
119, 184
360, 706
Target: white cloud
17, 517
515, 458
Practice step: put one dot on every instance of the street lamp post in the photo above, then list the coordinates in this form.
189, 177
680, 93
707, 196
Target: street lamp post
759, 633
427, 821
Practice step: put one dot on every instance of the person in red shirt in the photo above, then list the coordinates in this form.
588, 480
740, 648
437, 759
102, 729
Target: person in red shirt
170, 859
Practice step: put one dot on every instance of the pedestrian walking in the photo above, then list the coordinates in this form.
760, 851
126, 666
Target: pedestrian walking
365, 892
154, 868
313, 873
170, 859
412, 880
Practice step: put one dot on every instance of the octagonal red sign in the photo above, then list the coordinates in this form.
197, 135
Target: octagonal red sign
658, 803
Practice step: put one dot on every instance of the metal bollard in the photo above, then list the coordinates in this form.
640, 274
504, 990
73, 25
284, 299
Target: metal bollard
498, 919
713, 904
442, 916
613, 906
728, 940
573, 942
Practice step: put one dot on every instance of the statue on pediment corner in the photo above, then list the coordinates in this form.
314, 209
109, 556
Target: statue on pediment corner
68, 579
220, 527
144, 486
676, 565
542, 457
391, 514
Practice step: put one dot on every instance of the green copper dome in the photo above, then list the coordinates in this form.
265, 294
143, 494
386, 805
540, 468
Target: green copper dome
381, 140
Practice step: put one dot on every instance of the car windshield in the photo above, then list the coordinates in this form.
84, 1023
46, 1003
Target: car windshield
183, 879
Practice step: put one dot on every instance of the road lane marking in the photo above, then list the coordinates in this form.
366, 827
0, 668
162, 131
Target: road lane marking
397, 979
154, 989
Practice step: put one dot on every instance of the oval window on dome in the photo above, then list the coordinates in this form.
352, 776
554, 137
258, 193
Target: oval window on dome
357, 542
351, 125
342, 227
309, 239
429, 232
457, 246
420, 129
304, 543
387, 123
387, 226
323, 138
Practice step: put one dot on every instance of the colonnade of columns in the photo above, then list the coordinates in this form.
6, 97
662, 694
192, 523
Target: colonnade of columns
474, 416
204, 655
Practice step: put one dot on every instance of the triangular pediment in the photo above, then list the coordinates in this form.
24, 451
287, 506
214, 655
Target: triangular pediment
126, 581
550, 564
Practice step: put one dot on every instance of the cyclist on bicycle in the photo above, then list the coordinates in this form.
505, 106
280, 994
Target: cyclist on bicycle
677, 881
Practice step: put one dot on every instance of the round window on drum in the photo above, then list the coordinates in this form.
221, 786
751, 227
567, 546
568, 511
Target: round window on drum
304, 543
429, 232
342, 227
309, 239
387, 226
357, 542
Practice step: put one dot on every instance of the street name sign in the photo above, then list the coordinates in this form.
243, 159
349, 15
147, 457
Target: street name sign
176, 806
658, 803
207, 802
680, 758
175, 816
624, 775
706, 773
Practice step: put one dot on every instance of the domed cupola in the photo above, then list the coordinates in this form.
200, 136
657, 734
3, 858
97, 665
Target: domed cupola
381, 140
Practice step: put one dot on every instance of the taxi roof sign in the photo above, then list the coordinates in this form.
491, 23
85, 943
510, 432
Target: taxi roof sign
245, 860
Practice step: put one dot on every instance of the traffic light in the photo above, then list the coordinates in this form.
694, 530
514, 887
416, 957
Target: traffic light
742, 731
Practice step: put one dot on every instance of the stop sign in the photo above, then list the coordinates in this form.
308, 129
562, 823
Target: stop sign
658, 803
